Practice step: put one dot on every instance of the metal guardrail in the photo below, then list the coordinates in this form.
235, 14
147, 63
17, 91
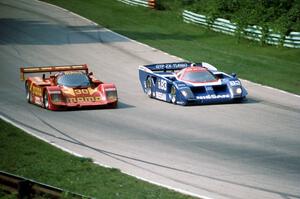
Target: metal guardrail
251, 32
26, 188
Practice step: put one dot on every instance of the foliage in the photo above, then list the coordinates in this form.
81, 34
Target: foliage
26, 156
165, 30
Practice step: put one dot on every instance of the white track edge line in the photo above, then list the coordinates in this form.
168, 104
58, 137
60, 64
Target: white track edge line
142, 44
108, 30
271, 88
95, 162
76, 154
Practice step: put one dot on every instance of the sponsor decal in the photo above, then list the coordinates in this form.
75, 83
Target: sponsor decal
62, 67
209, 88
35, 90
213, 97
74, 92
110, 89
78, 67
161, 96
181, 85
162, 84
81, 95
71, 72
235, 83
83, 99
81, 91
170, 66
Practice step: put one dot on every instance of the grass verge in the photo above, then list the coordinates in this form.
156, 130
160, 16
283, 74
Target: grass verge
24, 155
269, 65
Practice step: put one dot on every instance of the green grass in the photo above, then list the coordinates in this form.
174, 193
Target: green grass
24, 155
270, 65
5, 195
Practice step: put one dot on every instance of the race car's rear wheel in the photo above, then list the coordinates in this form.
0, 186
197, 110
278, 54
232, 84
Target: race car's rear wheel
28, 94
173, 95
46, 100
149, 87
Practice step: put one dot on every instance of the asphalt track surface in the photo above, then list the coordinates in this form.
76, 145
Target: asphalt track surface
249, 150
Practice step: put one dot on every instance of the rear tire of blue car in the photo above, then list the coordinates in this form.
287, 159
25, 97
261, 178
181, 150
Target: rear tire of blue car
173, 95
149, 87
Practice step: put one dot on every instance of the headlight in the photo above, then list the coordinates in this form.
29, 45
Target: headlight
187, 93
184, 93
238, 90
56, 97
111, 94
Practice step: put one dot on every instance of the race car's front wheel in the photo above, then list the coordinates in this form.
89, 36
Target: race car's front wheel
149, 87
113, 105
239, 100
173, 95
46, 100
28, 94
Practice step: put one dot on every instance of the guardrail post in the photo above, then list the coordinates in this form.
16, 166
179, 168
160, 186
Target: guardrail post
152, 4
24, 189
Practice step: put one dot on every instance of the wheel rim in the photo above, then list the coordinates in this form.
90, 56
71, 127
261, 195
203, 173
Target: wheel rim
46, 101
28, 98
149, 87
173, 95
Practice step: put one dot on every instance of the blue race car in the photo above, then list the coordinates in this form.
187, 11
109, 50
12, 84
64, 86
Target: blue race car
187, 83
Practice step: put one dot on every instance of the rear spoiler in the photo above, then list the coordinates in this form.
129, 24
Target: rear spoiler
168, 66
177, 66
50, 69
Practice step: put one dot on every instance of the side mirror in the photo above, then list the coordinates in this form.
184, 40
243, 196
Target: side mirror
96, 81
233, 75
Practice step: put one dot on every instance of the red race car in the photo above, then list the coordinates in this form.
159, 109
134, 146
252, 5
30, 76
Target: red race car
68, 86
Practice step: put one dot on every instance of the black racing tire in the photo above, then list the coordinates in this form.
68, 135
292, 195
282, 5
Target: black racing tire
28, 93
149, 84
113, 105
46, 100
173, 95
239, 100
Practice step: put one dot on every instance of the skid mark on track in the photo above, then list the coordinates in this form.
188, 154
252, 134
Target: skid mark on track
129, 160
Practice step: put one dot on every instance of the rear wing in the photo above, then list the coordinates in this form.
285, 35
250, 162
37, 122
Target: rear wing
167, 66
43, 69
174, 66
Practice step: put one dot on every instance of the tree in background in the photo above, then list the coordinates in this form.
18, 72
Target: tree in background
282, 16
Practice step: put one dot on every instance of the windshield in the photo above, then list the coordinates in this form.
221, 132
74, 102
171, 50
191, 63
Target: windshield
198, 76
73, 80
